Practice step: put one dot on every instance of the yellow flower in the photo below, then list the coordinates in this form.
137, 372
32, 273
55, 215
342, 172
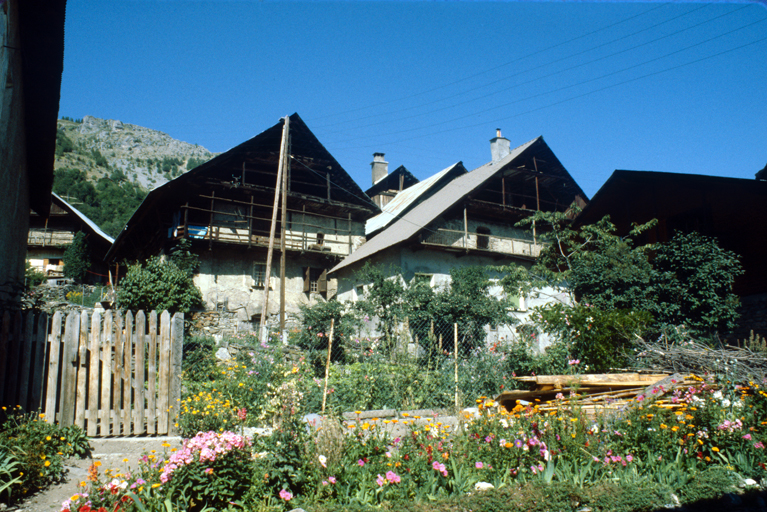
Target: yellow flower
713, 448
48, 438
47, 463
97, 463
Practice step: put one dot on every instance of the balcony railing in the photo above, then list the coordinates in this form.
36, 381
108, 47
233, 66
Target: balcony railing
460, 240
41, 237
340, 245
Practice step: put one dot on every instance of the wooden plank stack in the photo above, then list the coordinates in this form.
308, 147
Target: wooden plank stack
608, 390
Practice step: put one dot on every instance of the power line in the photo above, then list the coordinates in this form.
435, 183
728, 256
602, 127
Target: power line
462, 93
492, 69
577, 96
528, 82
496, 107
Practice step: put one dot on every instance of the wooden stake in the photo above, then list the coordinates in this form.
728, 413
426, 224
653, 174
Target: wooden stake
455, 354
283, 227
272, 229
327, 364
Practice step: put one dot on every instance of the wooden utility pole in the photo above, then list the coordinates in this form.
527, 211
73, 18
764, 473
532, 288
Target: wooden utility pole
280, 169
284, 216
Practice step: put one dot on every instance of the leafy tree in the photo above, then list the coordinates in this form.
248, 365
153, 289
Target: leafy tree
693, 279
624, 289
384, 298
77, 258
158, 285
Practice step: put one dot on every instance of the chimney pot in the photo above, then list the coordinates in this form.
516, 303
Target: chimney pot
380, 167
499, 146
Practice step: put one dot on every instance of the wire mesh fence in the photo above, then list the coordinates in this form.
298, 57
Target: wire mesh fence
403, 365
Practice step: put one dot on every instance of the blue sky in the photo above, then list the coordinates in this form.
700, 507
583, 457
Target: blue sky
675, 87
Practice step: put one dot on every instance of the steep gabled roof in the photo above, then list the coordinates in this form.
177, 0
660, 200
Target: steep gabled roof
61, 203
518, 165
253, 162
391, 181
407, 199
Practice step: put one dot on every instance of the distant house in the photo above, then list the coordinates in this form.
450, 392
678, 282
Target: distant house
49, 236
732, 210
387, 185
224, 208
459, 218
31, 63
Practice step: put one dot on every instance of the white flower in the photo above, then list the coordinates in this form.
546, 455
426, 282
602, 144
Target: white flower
323, 461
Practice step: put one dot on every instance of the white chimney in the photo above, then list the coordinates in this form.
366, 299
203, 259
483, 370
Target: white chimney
499, 146
380, 167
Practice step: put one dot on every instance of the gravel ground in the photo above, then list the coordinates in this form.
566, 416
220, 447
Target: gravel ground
119, 454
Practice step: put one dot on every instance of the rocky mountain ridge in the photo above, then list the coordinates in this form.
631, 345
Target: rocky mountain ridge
146, 157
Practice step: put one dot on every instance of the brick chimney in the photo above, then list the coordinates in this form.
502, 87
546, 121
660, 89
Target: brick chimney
499, 146
380, 167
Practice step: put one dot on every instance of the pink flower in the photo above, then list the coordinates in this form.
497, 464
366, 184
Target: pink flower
759, 445
361, 462
392, 477
332, 479
380, 481
478, 465
629, 457
242, 414
747, 437
573, 362
286, 495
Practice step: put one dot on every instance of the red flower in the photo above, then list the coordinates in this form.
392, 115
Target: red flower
84, 508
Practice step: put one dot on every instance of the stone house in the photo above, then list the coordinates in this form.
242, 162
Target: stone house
460, 218
50, 235
31, 63
224, 208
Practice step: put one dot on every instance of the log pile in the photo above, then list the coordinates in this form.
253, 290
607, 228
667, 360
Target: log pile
591, 392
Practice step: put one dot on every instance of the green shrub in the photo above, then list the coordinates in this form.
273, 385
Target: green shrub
36, 451
159, 285
77, 258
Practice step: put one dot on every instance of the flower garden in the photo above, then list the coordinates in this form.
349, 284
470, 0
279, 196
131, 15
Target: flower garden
700, 442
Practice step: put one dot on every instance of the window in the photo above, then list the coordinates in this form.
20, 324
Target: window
259, 275
320, 238
315, 280
483, 241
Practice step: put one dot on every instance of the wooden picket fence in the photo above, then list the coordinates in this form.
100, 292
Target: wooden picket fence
109, 373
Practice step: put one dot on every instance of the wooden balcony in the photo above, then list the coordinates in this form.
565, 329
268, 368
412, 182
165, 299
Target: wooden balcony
462, 241
49, 237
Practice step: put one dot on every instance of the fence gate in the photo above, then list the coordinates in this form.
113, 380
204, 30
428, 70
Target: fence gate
109, 373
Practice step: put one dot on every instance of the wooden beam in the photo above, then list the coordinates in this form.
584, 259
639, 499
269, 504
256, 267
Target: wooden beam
265, 309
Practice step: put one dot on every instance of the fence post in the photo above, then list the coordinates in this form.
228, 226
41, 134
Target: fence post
93, 374
39, 362
152, 375
177, 352
82, 370
164, 391
51, 388
105, 414
26, 359
117, 376
139, 377
68, 371
455, 353
127, 374
327, 364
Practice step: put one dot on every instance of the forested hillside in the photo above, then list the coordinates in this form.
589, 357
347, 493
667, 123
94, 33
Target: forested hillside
105, 168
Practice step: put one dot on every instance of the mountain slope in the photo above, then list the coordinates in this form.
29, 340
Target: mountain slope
105, 168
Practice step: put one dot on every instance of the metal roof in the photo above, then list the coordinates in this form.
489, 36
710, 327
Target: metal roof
399, 205
71, 209
419, 217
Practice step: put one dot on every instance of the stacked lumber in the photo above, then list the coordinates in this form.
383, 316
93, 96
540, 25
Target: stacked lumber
607, 390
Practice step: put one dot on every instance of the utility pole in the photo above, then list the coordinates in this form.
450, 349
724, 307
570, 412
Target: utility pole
262, 331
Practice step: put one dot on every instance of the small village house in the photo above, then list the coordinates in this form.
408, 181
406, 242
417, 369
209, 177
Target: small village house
465, 218
224, 208
49, 237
